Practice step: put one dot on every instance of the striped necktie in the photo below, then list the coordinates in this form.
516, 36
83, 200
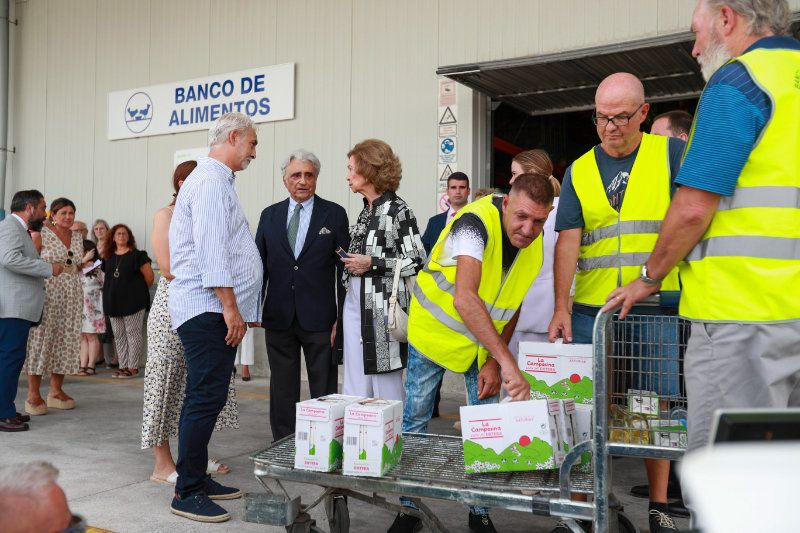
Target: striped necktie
294, 224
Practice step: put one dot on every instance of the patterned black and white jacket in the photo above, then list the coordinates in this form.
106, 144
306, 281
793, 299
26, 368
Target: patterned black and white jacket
388, 232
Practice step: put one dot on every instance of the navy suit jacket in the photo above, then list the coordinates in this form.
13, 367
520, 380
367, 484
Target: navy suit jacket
308, 287
435, 226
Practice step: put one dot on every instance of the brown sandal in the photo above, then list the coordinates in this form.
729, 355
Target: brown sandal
82, 371
122, 373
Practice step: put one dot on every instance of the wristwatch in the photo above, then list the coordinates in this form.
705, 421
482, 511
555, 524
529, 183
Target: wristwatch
647, 279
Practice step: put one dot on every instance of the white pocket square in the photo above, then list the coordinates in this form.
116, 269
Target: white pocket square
324, 231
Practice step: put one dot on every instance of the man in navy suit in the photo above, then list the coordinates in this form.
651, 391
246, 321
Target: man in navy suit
297, 239
22, 275
457, 197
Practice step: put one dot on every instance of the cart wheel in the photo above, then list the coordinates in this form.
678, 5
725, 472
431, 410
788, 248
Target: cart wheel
339, 522
625, 524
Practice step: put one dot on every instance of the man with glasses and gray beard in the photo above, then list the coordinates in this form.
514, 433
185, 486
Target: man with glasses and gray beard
734, 223
611, 206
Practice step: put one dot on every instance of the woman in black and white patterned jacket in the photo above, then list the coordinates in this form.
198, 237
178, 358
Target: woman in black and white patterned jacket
386, 232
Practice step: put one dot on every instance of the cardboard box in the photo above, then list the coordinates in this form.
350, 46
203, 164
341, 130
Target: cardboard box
558, 371
319, 431
583, 428
510, 436
373, 437
643, 402
668, 433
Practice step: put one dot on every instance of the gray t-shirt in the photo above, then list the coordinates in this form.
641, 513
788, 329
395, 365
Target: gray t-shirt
614, 171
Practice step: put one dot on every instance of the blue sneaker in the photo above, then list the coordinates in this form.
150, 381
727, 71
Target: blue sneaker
198, 507
215, 491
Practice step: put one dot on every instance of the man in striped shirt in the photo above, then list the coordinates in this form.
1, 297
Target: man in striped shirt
213, 298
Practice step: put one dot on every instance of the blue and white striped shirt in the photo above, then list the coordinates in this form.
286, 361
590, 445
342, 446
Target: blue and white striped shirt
305, 220
210, 245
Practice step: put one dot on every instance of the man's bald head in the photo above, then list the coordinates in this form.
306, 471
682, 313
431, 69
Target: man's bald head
619, 111
618, 88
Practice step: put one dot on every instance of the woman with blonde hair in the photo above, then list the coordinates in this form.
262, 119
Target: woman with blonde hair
537, 307
385, 237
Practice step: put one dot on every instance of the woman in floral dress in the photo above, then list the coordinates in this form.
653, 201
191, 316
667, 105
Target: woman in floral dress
54, 345
94, 321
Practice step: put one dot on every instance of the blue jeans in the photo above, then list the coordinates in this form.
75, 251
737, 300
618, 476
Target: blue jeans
209, 365
650, 346
13, 341
422, 381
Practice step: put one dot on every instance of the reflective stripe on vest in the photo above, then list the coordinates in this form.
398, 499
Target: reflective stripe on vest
746, 268
614, 244
435, 327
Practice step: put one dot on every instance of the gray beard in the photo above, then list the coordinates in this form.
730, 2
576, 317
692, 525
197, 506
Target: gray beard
716, 55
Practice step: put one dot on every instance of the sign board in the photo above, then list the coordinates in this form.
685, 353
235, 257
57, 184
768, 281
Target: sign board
447, 139
265, 94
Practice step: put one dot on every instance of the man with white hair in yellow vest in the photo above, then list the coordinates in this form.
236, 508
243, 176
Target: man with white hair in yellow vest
465, 305
735, 219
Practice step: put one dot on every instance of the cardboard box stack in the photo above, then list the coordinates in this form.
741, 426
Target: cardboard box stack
373, 437
319, 431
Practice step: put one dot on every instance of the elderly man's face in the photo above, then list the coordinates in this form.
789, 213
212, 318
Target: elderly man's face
244, 145
81, 228
709, 49
300, 180
614, 137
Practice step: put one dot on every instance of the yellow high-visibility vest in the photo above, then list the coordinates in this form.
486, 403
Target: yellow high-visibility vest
435, 328
615, 245
746, 268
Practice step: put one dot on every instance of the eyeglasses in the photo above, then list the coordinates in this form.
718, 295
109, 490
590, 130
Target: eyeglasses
618, 120
70, 255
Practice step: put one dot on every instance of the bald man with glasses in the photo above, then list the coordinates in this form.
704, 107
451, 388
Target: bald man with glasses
612, 202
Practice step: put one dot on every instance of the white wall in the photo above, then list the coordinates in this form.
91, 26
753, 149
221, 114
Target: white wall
365, 68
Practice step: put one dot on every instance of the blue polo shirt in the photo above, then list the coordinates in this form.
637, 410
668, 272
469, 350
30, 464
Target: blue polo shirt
731, 115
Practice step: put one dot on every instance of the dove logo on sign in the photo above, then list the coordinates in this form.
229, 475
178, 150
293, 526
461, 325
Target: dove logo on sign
138, 112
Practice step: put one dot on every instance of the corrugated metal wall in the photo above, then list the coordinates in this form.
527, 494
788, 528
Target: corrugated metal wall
365, 68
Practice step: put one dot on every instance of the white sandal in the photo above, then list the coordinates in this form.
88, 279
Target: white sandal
213, 468
171, 479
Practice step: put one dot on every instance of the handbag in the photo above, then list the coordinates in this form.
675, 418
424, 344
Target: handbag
398, 319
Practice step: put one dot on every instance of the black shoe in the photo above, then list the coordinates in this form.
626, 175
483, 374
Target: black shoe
215, 491
643, 491
561, 527
22, 418
481, 523
661, 522
12, 425
198, 507
405, 523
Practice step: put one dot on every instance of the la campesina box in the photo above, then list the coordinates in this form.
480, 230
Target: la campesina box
510, 436
319, 431
558, 371
373, 437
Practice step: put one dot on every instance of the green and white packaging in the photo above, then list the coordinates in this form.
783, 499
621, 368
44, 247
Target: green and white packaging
558, 371
319, 431
668, 433
510, 436
643, 402
583, 428
373, 437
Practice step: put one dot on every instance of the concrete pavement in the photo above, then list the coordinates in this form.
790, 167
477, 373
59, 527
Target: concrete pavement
105, 474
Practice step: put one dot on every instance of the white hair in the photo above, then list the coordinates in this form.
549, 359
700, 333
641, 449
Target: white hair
239, 122
301, 155
26, 479
763, 16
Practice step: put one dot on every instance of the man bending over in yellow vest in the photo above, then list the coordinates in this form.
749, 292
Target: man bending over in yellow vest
465, 305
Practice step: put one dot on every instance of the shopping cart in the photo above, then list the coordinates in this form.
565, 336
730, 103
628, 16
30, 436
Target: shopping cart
432, 466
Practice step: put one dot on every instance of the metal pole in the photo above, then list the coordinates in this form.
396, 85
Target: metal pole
4, 74
602, 461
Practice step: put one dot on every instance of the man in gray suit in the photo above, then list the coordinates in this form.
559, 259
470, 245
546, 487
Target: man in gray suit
22, 275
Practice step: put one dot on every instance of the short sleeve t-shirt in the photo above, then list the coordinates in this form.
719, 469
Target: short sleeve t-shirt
469, 237
125, 291
614, 172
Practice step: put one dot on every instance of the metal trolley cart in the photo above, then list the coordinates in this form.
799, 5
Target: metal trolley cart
432, 466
